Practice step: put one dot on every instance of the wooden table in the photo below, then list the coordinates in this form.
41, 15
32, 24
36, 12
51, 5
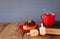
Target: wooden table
10, 31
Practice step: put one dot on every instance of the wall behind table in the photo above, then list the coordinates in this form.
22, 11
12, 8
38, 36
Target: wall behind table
21, 10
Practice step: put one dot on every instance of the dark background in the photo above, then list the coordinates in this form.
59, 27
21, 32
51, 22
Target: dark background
21, 10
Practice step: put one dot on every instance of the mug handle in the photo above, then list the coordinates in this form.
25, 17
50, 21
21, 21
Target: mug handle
41, 17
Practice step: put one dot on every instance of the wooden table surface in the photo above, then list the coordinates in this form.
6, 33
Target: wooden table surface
10, 31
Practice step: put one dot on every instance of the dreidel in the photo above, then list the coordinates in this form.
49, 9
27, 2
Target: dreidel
42, 29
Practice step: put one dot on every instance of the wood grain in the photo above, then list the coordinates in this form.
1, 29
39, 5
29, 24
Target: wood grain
2, 26
11, 32
36, 37
55, 37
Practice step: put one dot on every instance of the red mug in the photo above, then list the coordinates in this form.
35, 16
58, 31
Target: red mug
48, 18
